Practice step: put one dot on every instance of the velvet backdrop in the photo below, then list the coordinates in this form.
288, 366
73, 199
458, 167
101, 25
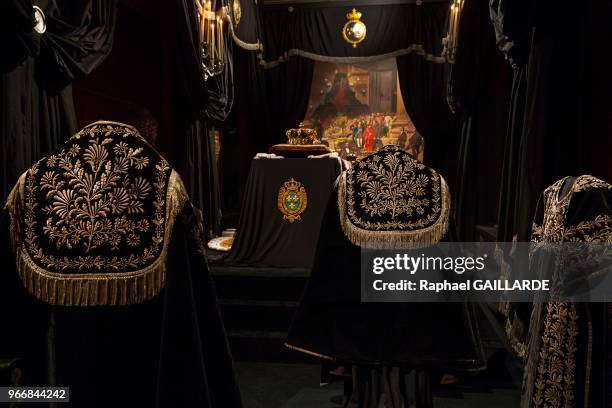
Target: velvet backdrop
315, 31
566, 123
424, 94
478, 90
201, 107
269, 102
36, 106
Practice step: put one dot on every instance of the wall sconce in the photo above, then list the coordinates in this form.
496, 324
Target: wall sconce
450, 41
212, 41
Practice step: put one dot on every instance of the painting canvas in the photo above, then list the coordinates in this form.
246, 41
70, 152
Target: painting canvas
358, 108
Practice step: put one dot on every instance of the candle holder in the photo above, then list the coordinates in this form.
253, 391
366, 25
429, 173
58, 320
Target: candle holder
212, 41
450, 41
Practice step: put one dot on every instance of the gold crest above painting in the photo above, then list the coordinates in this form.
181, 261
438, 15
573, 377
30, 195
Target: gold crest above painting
354, 31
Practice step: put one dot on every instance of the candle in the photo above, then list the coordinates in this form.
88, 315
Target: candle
208, 31
202, 25
222, 46
219, 38
452, 21
212, 27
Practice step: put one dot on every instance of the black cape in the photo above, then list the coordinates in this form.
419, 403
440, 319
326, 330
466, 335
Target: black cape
387, 200
150, 339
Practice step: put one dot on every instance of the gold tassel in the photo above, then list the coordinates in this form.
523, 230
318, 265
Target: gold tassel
104, 289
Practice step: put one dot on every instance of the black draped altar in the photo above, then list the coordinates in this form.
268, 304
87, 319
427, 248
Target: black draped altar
265, 237
104, 261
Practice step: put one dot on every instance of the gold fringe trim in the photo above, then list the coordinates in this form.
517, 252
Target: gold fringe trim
99, 289
394, 239
311, 353
14, 206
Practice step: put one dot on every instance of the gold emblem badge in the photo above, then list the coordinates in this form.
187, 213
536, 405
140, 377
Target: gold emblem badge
292, 200
354, 31
236, 11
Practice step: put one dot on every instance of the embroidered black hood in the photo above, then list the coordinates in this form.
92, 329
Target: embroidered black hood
91, 221
390, 200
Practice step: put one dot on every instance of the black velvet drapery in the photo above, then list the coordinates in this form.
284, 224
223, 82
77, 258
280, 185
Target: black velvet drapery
314, 31
478, 88
270, 102
201, 106
422, 86
564, 86
288, 91
36, 106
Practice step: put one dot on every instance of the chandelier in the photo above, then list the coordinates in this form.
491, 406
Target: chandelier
212, 42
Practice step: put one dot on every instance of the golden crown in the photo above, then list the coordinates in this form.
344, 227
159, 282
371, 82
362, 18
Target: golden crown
292, 185
302, 136
354, 15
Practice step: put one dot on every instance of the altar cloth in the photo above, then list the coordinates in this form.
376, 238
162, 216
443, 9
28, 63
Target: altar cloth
282, 211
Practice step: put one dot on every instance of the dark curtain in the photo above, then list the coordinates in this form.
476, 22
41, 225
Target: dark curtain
509, 178
270, 102
247, 28
422, 86
565, 126
250, 134
390, 28
288, 91
201, 106
478, 88
36, 105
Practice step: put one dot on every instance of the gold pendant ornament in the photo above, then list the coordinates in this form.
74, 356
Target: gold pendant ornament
236, 11
292, 200
354, 31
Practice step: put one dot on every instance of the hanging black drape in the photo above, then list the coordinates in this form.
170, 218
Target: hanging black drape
565, 126
201, 106
288, 91
478, 88
270, 102
422, 86
250, 135
315, 31
36, 106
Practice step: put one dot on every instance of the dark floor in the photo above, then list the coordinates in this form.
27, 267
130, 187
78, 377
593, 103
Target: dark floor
276, 385
257, 305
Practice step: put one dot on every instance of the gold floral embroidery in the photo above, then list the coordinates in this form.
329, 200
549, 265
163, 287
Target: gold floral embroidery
554, 385
389, 199
95, 189
88, 202
555, 358
392, 188
63, 211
